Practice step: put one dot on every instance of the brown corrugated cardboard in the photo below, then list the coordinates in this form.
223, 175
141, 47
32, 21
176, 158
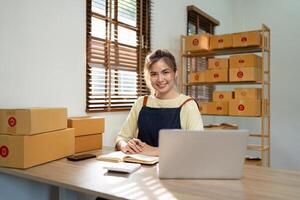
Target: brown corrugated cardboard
32, 120
218, 108
247, 93
245, 107
216, 75
247, 60
203, 107
197, 77
222, 95
245, 39
244, 74
88, 142
220, 41
195, 43
87, 125
30, 150
218, 63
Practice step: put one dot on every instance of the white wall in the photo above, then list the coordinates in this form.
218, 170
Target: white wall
42, 56
283, 18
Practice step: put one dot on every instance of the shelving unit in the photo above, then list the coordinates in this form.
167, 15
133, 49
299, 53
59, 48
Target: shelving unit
263, 135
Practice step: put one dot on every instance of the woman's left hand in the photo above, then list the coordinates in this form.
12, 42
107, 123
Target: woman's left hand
150, 150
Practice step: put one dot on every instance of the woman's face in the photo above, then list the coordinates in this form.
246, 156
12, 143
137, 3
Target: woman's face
162, 78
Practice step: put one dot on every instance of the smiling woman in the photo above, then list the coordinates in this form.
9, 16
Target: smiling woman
165, 108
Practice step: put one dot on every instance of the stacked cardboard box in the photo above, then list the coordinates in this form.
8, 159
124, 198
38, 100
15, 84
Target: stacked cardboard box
196, 43
33, 136
88, 132
220, 41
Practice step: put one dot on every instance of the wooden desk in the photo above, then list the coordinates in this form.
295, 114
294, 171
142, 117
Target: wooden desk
88, 177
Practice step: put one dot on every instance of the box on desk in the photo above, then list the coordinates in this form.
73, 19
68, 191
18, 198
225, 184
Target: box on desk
247, 60
87, 125
30, 150
220, 41
196, 43
88, 142
32, 120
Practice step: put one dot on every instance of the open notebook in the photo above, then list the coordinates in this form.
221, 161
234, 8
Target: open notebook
119, 156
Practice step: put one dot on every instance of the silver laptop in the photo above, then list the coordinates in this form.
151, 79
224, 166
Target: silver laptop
215, 154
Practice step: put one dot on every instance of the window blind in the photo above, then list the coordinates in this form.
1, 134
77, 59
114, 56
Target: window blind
118, 39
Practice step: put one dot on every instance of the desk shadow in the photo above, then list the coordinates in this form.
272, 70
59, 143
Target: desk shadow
117, 174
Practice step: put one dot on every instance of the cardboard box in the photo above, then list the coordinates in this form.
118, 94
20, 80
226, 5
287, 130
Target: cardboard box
245, 39
218, 108
30, 150
216, 75
245, 107
195, 43
247, 60
203, 107
247, 93
197, 77
218, 63
88, 142
32, 120
220, 41
244, 74
87, 125
222, 95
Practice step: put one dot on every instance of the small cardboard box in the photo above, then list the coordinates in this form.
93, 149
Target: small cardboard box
247, 60
245, 39
32, 120
218, 108
247, 93
203, 107
245, 107
244, 74
220, 41
218, 63
30, 150
222, 95
195, 43
197, 77
87, 125
88, 142
216, 75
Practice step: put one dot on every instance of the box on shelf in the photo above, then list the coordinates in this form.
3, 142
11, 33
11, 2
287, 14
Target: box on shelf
32, 120
88, 142
218, 108
197, 77
87, 125
30, 150
245, 107
220, 41
247, 93
216, 75
196, 43
218, 63
223, 95
247, 60
203, 107
244, 74
245, 39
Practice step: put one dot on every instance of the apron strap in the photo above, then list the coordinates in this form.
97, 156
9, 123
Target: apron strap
189, 99
145, 101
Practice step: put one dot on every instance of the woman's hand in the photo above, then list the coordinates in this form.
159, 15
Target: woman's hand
132, 146
150, 150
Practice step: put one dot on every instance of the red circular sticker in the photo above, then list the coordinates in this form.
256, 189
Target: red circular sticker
221, 96
12, 121
219, 108
195, 42
240, 74
220, 41
241, 61
4, 151
217, 63
216, 75
244, 39
241, 107
196, 77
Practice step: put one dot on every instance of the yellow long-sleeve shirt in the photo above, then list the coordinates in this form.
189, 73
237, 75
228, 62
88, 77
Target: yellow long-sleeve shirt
190, 117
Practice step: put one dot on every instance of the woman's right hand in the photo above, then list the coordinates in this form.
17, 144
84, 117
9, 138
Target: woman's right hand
132, 146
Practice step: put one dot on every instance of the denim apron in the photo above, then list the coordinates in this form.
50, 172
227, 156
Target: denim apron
151, 120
